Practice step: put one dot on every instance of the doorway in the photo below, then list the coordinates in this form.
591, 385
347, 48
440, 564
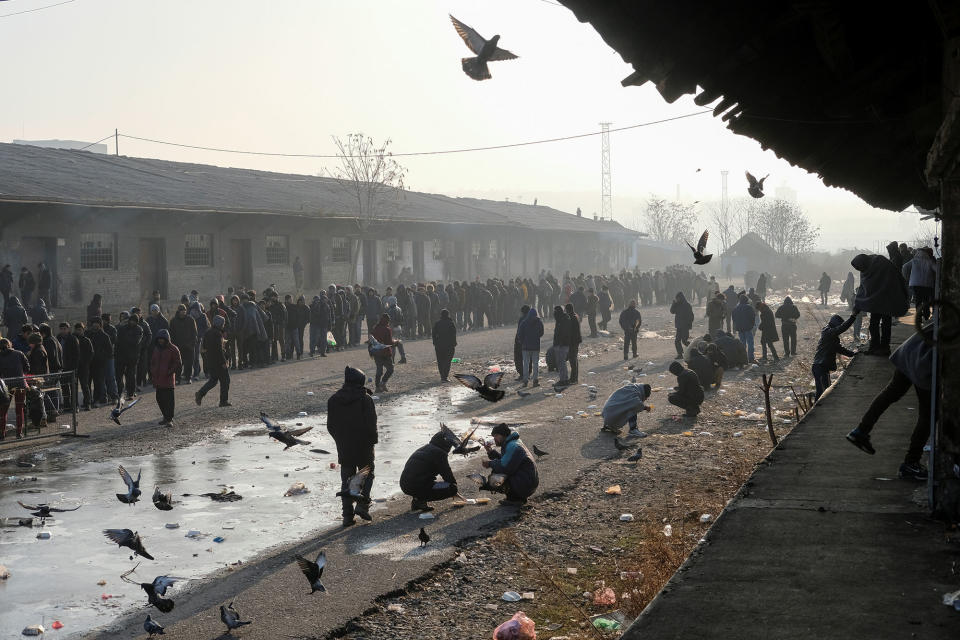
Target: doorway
241, 263
313, 265
419, 267
153, 267
34, 250
370, 274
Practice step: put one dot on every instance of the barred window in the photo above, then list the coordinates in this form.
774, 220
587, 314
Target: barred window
492, 249
198, 250
98, 250
393, 249
340, 250
278, 250
475, 248
437, 249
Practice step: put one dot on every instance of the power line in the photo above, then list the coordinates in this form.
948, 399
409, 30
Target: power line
49, 6
97, 142
414, 153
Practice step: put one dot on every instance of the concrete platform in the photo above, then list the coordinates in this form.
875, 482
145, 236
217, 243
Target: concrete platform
823, 541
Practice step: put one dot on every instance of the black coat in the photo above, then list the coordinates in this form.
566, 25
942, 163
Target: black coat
682, 313
688, 385
54, 353
129, 339
102, 347
71, 351
86, 351
561, 331
701, 366
444, 334
424, 465
183, 332
214, 350
352, 421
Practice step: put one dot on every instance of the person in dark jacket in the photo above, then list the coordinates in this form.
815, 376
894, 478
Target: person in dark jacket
146, 339
183, 334
604, 305
562, 338
630, 320
14, 316
914, 365
682, 320
110, 375
84, 365
214, 348
352, 421
884, 294
517, 347
298, 315
422, 302
731, 299
320, 323
419, 476
825, 359
688, 394
701, 365
444, 343
529, 332
278, 317
44, 281
26, 285
6, 284
788, 313
13, 365
593, 302
744, 320
157, 321
40, 314
768, 331
762, 286
733, 350
54, 362
513, 461
70, 350
576, 339
102, 353
37, 357
95, 308
718, 360
384, 357
578, 299
824, 287
165, 364
129, 339
716, 313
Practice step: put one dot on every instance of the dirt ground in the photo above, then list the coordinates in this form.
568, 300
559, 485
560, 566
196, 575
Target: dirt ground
689, 468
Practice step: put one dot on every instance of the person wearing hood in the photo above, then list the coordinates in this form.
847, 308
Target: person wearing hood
254, 330
788, 313
593, 301
716, 312
921, 281
884, 294
604, 305
688, 394
39, 314
576, 339
352, 422
278, 319
195, 311
514, 462
529, 332
682, 320
70, 361
562, 339
84, 365
419, 477
731, 299
129, 339
762, 286
95, 308
26, 284
319, 324
914, 366
384, 357
829, 345
6, 284
824, 288
102, 354
768, 331
146, 340
630, 320
14, 316
444, 343
733, 350
13, 367
744, 321
110, 375
156, 321
183, 334
215, 356
896, 258
165, 365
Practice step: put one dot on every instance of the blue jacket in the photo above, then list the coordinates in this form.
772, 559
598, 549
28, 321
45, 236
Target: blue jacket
530, 331
744, 317
517, 464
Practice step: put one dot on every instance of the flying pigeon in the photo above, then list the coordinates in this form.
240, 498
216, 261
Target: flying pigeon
133, 487
162, 501
313, 569
619, 446
479, 478
756, 186
424, 537
355, 484
486, 50
119, 409
487, 389
698, 257
231, 617
155, 589
129, 539
459, 444
537, 451
636, 457
152, 627
43, 511
288, 438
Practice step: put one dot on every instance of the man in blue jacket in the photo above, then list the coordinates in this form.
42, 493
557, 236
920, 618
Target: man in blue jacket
528, 334
513, 461
744, 321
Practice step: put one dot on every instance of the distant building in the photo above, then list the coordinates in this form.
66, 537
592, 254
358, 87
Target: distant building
750, 253
77, 145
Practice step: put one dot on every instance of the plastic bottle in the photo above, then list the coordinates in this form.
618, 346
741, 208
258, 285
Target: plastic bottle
668, 531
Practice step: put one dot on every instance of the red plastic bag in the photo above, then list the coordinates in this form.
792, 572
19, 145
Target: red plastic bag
519, 627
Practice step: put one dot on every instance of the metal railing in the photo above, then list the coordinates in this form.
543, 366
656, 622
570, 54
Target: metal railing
38, 404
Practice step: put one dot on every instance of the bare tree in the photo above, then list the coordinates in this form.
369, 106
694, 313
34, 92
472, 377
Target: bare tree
743, 217
669, 221
721, 218
371, 177
786, 228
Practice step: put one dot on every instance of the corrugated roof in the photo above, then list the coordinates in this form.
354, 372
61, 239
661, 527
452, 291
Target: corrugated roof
61, 175
750, 244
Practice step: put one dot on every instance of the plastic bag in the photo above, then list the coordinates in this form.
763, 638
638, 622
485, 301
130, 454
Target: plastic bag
551, 359
623, 403
519, 627
330, 339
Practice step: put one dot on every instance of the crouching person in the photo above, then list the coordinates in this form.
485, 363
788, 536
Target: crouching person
688, 394
513, 461
419, 477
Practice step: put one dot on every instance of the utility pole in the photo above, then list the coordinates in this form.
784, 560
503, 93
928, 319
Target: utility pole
116, 142
606, 195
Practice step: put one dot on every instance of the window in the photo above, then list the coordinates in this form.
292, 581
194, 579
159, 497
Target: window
198, 250
438, 249
492, 249
392, 247
278, 250
475, 248
340, 251
98, 250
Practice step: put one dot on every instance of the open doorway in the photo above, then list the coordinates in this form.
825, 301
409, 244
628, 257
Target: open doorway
153, 267
241, 263
33, 251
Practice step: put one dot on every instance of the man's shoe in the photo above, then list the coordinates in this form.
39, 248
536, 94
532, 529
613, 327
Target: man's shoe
225, 404
197, 398
913, 471
162, 421
348, 521
861, 440
636, 433
523, 385
402, 361
420, 505
536, 383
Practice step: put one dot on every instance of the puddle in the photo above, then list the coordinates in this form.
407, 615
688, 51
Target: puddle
56, 579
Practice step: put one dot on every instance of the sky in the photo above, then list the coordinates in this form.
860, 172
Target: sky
286, 76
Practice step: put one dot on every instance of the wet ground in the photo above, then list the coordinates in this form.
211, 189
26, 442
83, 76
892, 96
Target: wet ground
56, 579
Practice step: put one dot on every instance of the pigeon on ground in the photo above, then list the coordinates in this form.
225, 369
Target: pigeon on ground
155, 589
485, 50
222, 496
636, 457
424, 537
313, 569
288, 438
698, 257
756, 186
119, 409
522, 393
479, 478
231, 617
355, 484
487, 389
162, 501
152, 627
324, 451
129, 539
133, 487
619, 446
459, 445
43, 510
537, 451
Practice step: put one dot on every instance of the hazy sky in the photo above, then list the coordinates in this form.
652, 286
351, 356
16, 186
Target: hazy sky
284, 76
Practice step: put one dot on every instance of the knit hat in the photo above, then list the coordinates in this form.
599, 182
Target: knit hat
501, 429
